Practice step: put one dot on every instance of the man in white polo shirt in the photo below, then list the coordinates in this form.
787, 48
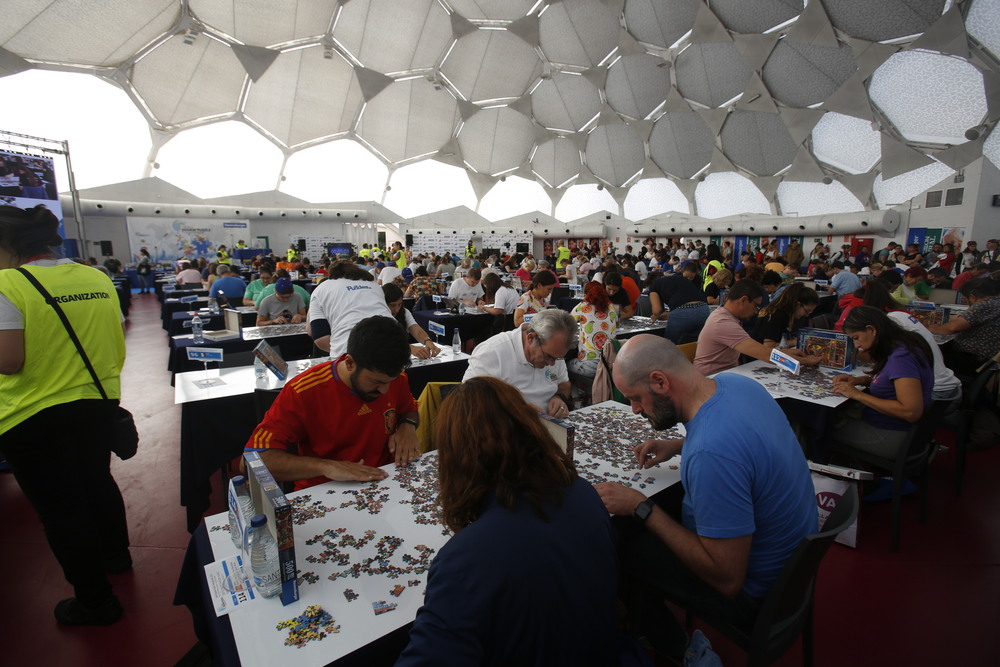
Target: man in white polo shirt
530, 358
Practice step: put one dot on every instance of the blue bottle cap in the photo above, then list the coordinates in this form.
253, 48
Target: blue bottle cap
239, 480
258, 520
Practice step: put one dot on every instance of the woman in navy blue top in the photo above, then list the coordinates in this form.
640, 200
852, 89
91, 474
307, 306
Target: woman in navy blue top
530, 576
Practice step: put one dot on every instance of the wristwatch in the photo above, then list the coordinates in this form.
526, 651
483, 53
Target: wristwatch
412, 422
563, 398
643, 510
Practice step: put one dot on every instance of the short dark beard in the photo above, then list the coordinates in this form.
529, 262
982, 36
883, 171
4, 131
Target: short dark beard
367, 398
665, 414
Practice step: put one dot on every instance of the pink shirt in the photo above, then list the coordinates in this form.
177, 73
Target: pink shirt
188, 276
717, 342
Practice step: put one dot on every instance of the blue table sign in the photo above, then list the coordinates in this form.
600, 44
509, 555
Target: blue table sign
436, 328
188, 299
437, 298
204, 354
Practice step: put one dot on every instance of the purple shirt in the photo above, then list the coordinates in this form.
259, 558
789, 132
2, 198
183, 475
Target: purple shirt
902, 363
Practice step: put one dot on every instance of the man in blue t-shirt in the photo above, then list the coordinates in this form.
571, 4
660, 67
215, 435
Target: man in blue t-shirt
229, 288
748, 503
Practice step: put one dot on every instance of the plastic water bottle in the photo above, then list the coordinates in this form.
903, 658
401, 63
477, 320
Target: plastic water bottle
456, 342
259, 369
213, 305
246, 504
264, 559
197, 329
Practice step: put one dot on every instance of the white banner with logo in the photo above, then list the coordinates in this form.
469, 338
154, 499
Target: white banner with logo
170, 239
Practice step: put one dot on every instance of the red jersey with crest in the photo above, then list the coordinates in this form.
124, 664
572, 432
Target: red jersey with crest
326, 419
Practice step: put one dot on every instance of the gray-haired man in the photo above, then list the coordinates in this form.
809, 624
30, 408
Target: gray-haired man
531, 359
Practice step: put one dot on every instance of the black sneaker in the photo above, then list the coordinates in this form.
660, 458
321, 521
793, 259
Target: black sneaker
72, 612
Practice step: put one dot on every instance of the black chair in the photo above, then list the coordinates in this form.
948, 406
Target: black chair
787, 611
823, 321
960, 421
426, 302
237, 359
262, 400
912, 459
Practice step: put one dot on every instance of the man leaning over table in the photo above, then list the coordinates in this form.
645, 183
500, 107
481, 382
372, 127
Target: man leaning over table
531, 358
748, 495
723, 339
344, 417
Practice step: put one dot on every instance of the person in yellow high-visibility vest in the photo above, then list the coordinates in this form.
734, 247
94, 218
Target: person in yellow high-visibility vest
293, 252
365, 251
470, 250
223, 256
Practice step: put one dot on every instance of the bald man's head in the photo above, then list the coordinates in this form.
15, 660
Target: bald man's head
641, 355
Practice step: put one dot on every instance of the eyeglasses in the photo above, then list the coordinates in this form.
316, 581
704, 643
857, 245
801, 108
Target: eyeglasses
757, 305
548, 357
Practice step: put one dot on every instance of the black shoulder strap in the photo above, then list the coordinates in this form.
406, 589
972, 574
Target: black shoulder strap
69, 328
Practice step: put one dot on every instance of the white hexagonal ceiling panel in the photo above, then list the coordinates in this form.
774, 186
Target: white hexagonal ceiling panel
641, 94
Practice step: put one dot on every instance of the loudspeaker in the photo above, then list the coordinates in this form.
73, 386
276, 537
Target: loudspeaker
996, 200
106, 249
302, 245
409, 240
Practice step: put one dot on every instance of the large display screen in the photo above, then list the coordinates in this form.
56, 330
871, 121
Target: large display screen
28, 180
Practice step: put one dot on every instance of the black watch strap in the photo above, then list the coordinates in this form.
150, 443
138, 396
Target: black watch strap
564, 398
643, 510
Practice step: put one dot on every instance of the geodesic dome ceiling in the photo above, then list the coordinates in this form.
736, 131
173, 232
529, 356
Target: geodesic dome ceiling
819, 104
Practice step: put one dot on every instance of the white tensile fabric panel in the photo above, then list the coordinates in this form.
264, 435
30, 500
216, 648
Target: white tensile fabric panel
556, 161
728, 193
581, 32
983, 23
193, 159
757, 16
885, 19
800, 75
681, 143
936, 113
87, 134
490, 65
711, 74
321, 97
902, 188
637, 85
514, 196
615, 153
565, 102
653, 196
496, 140
341, 170
392, 36
816, 198
583, 200
503, 10
104, 33
428, 186
265, 22
183, 82
408, 119
660, 22
758, 142
846, 143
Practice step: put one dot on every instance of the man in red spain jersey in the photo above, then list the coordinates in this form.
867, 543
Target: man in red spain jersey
344, 417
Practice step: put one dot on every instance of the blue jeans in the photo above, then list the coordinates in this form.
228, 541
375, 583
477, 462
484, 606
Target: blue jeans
685, 321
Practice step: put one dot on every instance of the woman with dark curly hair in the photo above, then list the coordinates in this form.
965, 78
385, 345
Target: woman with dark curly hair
530, 576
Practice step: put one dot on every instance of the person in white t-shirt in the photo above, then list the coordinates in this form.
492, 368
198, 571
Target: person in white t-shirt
531, 359
467, 290
569, 271
348, 296
388, 274
498, 298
